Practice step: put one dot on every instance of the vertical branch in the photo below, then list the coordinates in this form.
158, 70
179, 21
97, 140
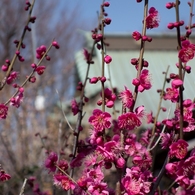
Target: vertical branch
141, 51
180, 72
102, 47
142, 42
159, 177
191, 14
80, 113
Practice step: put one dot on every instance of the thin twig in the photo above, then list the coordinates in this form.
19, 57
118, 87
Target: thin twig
23, 186
152, 139
64, 112
160, 102
31, 74
142, 47
191, 14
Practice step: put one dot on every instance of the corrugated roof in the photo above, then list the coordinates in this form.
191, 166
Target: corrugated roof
122, 73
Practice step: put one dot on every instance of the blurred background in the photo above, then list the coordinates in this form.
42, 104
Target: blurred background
36, 126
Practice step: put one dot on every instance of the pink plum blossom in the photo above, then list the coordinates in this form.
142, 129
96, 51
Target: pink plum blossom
50, 162
128, 121
100, 120
136, 35
4, 176
178, 149
186, 53
171, 94
144, 82
136, 182
16, 101
152, 20
109, 98
3, 111
40, 51
13, 76
126, 97
63, 181
40, 70
166, 140
4, 68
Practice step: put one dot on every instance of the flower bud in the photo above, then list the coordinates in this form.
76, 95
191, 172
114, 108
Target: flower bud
98, 46
188, 32
134, 61
99, 102
17, 52
173, 75
106, 4
107, 165
164, 109
4, 68
176, 24
149, 39
144, 38
177, 83
99, 36
14, 85
120, 163
93, 80
169, 5
110, 104
33, 65
145, 64
107, 59
170, 26
107, 21
181, 22
99, 140
55, 44
7, 62
135, 82
188, 69
32, 79
21, 89
48, 58
21, 59
103, 79
189, 3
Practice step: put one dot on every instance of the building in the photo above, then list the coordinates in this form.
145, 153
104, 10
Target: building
160, 53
